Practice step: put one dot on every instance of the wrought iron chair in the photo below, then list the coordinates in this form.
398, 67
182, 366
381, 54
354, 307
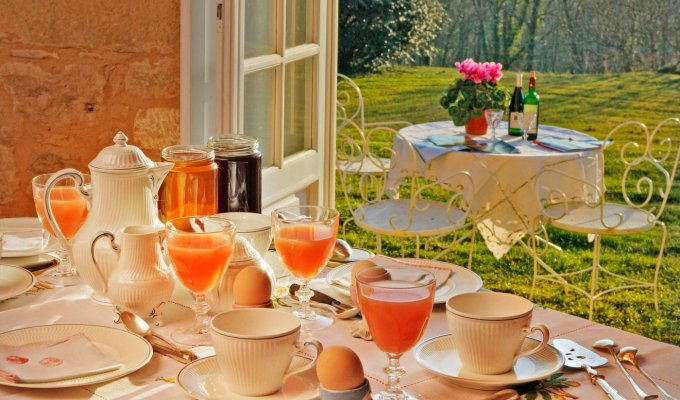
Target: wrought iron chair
415, 214
647, 170
350, 117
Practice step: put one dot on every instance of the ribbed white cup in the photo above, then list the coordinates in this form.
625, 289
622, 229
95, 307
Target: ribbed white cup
254, 348
489, 329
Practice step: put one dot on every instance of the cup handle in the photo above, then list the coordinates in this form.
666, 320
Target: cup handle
319, 348
544, 340
115, 248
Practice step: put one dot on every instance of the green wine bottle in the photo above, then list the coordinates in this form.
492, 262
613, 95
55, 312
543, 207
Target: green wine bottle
516, 104
531, 102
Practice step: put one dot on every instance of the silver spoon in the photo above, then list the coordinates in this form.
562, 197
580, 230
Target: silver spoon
136, 324
613, 348
628, 354
342, 249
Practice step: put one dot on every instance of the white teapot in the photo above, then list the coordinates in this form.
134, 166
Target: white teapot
141, 282
124, 192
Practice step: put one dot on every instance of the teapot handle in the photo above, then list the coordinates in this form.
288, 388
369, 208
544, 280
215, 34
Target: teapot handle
115, 248
57, 176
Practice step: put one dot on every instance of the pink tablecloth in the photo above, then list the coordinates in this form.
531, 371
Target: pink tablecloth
154, 381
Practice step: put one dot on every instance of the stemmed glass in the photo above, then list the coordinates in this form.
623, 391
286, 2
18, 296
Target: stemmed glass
199, 248
396, 310
526, 122
62, 217
304, 237
493, 119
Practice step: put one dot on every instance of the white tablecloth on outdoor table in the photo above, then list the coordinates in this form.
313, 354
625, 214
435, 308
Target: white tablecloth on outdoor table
155, 381
504, 203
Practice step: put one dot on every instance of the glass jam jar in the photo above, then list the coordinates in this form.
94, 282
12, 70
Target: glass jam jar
191, 186
240, 173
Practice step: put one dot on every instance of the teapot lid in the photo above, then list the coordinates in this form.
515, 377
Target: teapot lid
121, 156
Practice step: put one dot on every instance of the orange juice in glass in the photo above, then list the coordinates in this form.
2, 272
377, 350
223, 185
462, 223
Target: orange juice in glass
396, 311
304, 237
199, 249
68, 209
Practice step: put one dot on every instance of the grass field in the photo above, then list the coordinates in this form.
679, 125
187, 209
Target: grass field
593, 104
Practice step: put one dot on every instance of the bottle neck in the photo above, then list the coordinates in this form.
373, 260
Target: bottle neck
518, 81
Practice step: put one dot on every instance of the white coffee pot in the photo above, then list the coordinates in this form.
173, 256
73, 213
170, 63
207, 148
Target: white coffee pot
124, 192
141, 282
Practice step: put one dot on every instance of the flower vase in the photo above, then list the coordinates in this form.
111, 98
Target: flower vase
476, 126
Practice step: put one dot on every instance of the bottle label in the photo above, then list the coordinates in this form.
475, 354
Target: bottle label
514, 120
530, 109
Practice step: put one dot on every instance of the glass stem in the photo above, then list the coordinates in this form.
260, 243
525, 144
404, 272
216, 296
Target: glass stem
200, 308
394, 371
65, 254
304, 295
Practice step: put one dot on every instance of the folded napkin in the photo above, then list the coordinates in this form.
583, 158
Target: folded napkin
53, 360
24, 240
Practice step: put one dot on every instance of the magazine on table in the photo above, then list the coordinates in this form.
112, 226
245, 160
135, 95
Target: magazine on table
465, 143
568, 145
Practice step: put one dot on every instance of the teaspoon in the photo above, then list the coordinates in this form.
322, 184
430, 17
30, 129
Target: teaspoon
628, 354
136, 324
613, 348
342, 249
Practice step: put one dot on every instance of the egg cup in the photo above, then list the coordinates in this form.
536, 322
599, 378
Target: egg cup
268, 304
363, 392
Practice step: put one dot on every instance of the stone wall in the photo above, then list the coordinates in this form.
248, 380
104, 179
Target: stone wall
72, 74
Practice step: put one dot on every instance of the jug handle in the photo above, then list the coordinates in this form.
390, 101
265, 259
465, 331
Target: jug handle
115, 248
57, 176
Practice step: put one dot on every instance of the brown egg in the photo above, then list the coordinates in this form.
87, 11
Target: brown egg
358, 266
252, 287
339, 368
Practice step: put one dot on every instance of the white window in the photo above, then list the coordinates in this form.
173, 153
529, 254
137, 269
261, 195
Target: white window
265, 68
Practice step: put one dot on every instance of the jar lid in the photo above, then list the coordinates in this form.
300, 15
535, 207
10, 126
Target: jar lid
121, 156
233, 144
186, 153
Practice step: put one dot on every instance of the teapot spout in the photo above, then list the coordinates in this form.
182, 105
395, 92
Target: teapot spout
158, 172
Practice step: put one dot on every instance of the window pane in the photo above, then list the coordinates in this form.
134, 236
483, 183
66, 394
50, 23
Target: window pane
298, 93
260, 27
259, 113
298, 22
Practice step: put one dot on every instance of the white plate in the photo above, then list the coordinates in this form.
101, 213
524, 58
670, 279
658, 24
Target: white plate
14, 281
25, 223
438, 355
202, 380
462, 281
131, 350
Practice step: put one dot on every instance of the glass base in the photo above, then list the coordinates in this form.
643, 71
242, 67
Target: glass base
392, 396
188, 337
56, 278
100, 299
316, 323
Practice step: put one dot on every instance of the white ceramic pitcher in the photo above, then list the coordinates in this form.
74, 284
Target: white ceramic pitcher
125, 187
141, 282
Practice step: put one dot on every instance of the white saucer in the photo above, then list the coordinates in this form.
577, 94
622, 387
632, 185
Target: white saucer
462, 280
202, 380
32, 230
14, 281
438, 355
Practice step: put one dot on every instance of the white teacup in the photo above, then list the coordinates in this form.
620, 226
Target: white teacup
254, 348
489, 329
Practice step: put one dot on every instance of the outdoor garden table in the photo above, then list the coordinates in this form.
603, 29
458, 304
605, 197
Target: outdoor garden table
73, 305
504, 204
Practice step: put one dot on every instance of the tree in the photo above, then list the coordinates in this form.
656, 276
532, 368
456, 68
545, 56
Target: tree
378, 33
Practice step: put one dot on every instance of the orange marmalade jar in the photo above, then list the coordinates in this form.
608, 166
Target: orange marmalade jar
191, 186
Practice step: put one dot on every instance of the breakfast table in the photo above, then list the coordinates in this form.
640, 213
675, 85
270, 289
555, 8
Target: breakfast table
504, 203
157, 379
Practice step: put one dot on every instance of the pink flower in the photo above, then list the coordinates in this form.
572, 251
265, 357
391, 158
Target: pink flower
480, 72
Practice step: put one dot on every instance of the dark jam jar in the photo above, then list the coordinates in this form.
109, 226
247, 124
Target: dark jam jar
239, 166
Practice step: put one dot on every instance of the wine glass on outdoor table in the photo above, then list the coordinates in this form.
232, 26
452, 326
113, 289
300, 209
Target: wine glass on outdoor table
493, 119
526, 122
304, 237
62, 215
396, 309
199, 248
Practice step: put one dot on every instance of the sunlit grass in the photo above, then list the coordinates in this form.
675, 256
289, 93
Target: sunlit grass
593, 104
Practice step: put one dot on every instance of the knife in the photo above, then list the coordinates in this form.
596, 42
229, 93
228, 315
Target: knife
321, 298
579, 357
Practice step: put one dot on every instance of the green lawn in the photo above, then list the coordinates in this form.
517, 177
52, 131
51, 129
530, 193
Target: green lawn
593, 104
